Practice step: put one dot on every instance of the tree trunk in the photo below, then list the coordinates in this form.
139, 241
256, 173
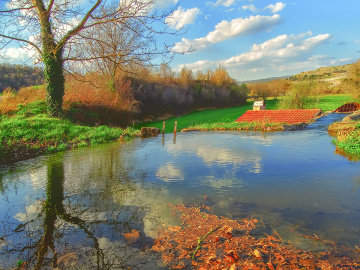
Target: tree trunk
55, 83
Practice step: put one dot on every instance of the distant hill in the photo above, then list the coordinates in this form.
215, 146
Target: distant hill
17, 76
333, 73
266, 79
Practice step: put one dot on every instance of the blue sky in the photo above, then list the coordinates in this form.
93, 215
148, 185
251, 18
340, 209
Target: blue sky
256, 39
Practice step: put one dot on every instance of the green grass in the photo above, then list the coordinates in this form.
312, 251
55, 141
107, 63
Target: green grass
229, 115
206, 117
30, 130
239, 126
351, 145
329, 102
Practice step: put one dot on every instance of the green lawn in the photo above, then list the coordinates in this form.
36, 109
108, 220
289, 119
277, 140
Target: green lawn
201, 117
326, 103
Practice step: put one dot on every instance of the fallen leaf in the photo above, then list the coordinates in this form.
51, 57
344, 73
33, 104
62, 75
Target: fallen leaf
131, 237
257, 254
228, 231
175, 228
232, 267
234, 254
270, 265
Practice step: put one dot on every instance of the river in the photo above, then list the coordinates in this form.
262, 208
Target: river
71, 210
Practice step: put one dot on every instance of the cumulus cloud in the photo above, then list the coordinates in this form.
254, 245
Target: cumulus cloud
182, 17
229, 29
282, 53
276, 8
15, 55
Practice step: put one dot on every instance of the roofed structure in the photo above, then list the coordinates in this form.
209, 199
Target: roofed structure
348, 107
280, 116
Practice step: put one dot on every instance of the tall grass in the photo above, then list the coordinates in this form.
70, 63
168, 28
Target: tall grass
89, 103
11, 99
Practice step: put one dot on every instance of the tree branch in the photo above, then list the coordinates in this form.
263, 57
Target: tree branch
79, 27
25, 41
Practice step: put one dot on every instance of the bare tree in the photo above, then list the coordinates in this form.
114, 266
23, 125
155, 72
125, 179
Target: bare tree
59, 31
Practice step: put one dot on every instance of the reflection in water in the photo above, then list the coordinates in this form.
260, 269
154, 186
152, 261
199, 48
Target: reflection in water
169, 173
73, 209
81, 218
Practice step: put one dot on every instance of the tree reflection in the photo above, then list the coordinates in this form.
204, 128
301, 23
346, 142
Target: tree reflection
78, 212
54, 210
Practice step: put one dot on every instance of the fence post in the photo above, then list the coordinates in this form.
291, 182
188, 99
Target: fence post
175, 127
163, 131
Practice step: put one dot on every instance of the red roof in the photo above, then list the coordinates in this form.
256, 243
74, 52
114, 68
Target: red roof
279, 116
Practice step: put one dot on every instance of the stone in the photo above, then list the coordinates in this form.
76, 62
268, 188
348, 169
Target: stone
295, 127
352, 117
149, 131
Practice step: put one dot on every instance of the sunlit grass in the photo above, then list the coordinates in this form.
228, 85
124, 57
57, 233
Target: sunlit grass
30, 128
229, 115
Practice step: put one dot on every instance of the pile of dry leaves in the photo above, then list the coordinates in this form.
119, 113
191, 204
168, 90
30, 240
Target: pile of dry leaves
206, 241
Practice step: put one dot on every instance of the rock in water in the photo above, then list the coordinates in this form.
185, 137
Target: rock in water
149, 131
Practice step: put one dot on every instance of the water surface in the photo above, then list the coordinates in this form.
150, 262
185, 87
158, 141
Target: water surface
72, 209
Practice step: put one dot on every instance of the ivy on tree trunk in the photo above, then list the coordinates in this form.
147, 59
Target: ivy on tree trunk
55, 83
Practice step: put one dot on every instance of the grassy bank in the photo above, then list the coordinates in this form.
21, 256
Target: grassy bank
255, 126
31, 132
351, 145
221, 117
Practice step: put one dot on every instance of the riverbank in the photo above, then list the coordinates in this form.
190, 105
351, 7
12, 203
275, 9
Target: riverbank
242, 126
30, 132
347, 133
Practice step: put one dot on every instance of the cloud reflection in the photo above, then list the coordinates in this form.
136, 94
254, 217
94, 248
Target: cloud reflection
169, 173
239, 155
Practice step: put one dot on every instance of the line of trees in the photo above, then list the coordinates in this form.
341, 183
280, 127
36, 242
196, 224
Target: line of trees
148, 94
17, 76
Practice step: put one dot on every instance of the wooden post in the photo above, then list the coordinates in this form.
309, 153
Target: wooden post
175, 132
163, 132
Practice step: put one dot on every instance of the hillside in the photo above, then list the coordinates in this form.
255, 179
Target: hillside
334, 75
17, 76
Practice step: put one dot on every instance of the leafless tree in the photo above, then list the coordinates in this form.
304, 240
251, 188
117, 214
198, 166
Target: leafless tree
62, 31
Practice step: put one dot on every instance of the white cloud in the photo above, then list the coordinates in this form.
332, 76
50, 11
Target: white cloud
282, 53
276, 8
229, 29
15, 55
225, 3
273, 8
182, 17
169, 173
250, 7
